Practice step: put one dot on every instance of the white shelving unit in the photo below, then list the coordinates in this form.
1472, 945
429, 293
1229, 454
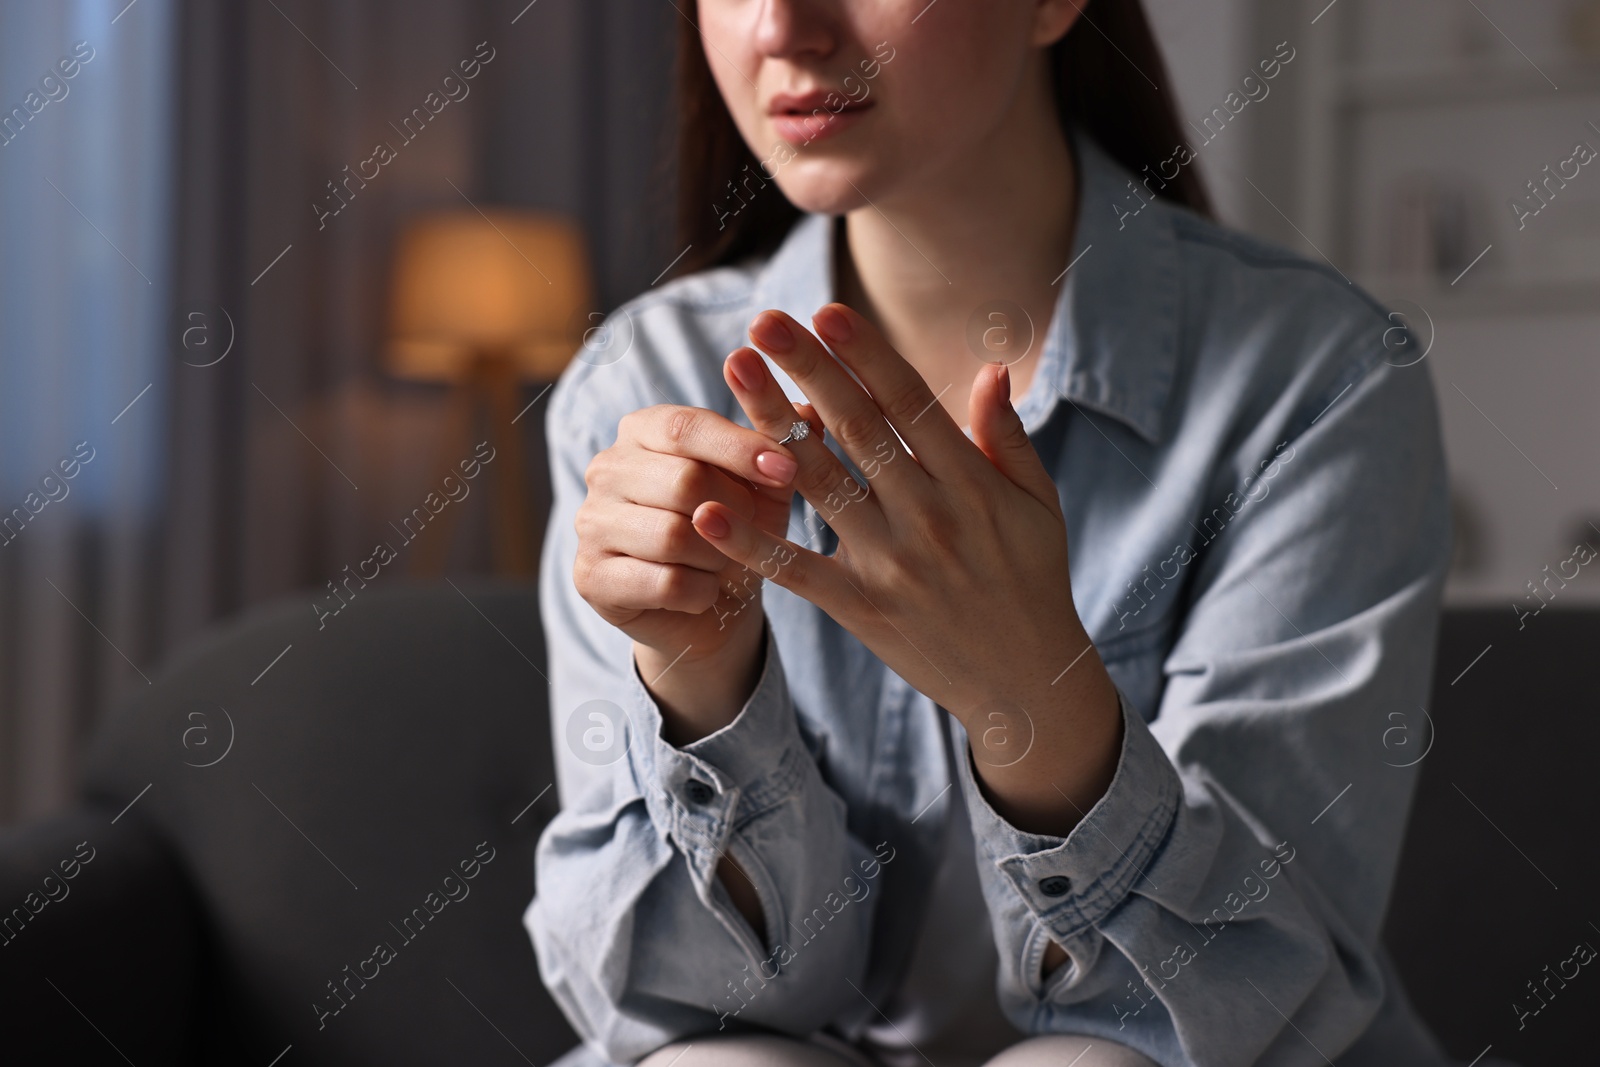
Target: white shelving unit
1452, 109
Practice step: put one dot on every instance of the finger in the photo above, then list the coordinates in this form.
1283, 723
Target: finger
809, 574
659, 480
653, 534
899, 391
855, 417
842, 501
696, 433
810, 415
997, 430
631, 584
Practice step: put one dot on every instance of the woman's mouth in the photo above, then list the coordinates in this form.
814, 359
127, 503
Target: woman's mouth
813, 116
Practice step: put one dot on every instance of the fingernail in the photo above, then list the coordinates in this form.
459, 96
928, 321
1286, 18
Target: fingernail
832, 324
772, 333
712, 525
777, 466
750, 377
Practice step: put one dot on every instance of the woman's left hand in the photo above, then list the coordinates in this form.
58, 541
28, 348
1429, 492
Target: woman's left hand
952, 564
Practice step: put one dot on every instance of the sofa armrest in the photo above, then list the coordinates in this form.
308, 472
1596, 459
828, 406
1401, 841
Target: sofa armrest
101, 945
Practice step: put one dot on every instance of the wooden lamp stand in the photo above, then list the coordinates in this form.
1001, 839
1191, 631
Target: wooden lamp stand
490, 385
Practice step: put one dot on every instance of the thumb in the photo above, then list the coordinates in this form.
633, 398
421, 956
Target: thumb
997, 431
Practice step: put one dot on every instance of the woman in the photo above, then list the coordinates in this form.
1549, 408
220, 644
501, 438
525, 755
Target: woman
857, 762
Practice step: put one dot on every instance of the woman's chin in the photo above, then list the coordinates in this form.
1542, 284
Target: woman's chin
830, 188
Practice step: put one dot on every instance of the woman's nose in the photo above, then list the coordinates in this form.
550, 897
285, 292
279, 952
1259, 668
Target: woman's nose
787, 29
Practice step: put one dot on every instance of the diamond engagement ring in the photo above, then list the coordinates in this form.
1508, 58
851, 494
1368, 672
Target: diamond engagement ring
797, 432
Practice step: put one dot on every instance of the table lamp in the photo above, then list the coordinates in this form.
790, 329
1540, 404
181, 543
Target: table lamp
481, 301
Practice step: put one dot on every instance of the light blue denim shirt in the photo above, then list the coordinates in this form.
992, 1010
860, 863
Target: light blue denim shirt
1250, 468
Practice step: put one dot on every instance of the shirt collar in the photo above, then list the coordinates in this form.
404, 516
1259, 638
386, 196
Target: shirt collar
1112, 341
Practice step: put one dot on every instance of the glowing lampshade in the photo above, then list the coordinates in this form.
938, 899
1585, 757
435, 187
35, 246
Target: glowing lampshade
503, 284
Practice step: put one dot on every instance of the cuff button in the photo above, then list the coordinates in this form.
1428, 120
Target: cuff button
1055, 886
699, 792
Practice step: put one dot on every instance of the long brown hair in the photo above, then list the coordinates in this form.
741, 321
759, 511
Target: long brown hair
1109, 79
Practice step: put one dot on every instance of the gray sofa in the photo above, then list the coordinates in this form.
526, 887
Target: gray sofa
305, 846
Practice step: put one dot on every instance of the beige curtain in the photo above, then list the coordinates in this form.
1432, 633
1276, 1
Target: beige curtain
275, 466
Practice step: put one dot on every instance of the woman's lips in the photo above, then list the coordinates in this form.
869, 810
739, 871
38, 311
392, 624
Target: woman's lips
810, 126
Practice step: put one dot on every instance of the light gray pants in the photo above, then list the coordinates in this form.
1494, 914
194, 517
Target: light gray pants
1058, 1050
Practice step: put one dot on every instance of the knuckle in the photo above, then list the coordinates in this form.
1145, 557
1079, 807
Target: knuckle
815, 483
941, 533
686, 483
678, 587
905, 403
795, 571
668, 584
606, 475
855, 427
676, 536
847, 489
990, 497
583, 574
680, 425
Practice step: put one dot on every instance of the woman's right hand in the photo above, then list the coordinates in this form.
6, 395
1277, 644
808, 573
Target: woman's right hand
645, 569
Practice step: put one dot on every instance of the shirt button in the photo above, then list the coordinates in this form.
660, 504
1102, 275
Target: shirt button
1055, 886
699, 792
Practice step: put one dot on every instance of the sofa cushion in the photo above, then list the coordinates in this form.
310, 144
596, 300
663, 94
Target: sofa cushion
356, 798
1499, 867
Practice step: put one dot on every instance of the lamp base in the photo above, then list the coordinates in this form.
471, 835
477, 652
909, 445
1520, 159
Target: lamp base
490, 386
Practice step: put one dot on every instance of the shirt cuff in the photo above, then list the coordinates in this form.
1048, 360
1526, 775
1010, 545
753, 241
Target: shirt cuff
699, 793
1072, 883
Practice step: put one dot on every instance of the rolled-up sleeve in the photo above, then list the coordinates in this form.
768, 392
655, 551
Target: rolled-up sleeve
637, 939
1221, 903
